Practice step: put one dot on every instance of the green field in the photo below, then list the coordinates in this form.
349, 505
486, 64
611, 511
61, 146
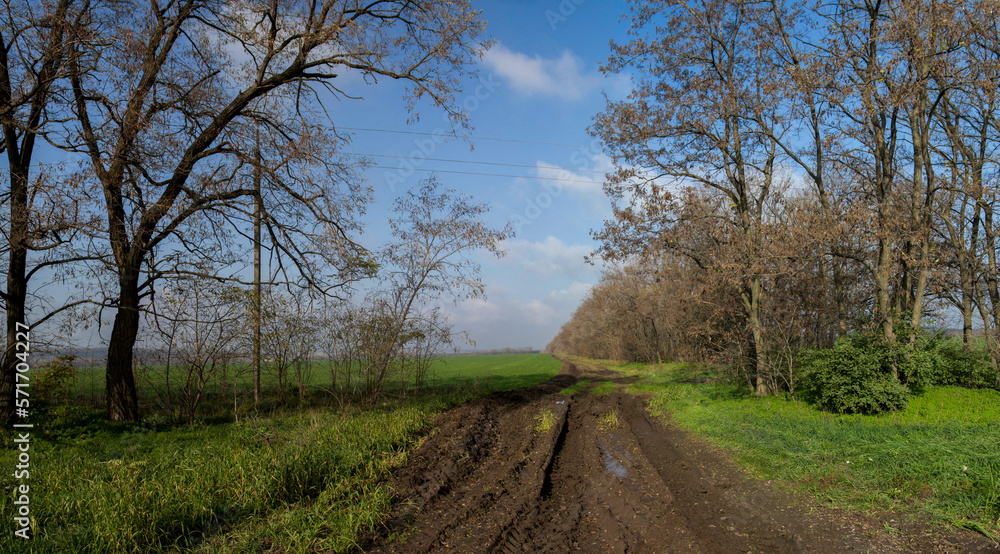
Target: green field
940, 457
446, 371
229, 392
295, 480
499, 372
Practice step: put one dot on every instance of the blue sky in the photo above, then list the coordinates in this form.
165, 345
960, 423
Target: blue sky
536, 92
539, 83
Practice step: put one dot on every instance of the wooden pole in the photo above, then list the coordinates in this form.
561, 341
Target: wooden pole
256, 280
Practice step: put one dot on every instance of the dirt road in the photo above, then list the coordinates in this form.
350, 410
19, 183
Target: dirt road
600, 475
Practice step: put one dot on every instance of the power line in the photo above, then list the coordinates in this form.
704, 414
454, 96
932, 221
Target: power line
37, 165
486, 174
472, 162
48, 164
476, 138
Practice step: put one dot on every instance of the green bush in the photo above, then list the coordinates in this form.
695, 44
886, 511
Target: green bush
966, 368
855, 377
940, 360
919, 367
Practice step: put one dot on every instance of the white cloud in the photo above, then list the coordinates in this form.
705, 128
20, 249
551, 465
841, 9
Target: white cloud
536, 312
574, 294
586, 181
555, 308
550, 258
518, 322
564, 76
477, 310
552, 310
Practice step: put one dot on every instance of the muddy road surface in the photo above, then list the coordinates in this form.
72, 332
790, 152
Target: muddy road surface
533, 470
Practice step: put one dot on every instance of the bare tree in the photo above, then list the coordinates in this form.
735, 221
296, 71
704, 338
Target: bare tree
167, 115
967, 118
337, 343
694, 120
429, 261
888, 108
45, 208
288, 331
197, 327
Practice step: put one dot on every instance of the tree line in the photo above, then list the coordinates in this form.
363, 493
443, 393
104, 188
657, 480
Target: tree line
144, 141
791, 174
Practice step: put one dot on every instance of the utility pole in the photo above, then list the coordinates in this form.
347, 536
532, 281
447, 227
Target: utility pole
256, 277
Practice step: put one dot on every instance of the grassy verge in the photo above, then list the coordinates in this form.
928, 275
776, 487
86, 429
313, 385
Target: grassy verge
938, 457
606, 387
295, 482
575, 387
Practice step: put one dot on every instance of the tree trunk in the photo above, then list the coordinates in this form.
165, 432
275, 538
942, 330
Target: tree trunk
17, 288
919, 288
967, 268
884, 296
884, 154
966, 277
762, 383
19, 162
921, 203
965, 250
120, 394
992, 287
839, 298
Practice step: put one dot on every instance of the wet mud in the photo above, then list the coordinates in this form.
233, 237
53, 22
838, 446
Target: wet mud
599, 474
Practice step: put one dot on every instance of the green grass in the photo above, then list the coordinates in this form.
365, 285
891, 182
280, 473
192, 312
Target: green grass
575, 387
499, 372
145, 489
940, 456
606, 387
488, 372
302, 481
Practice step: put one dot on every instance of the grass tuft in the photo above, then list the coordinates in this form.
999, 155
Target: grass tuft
544, 421
609, 421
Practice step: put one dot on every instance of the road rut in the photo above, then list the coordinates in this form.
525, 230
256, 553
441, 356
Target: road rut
604, 476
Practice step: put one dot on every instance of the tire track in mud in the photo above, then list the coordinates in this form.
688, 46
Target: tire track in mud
606, 477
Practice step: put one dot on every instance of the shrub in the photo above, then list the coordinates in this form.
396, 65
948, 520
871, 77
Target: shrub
919, 366
940, 360
964, 367
55, 382
855, 376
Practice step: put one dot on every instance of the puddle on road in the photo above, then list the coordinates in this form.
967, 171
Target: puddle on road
612, 464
